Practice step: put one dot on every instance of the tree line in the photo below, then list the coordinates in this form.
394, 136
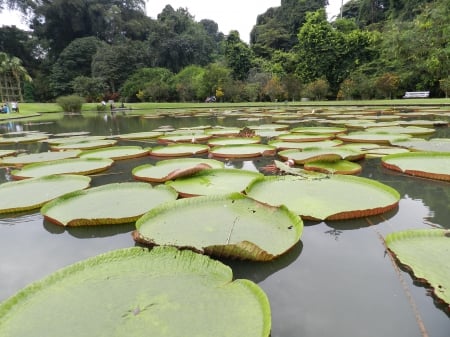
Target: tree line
110, 49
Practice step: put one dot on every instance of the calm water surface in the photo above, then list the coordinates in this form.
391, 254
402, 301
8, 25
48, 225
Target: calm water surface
338, 281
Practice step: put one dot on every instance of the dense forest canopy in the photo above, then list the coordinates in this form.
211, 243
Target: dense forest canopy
110, 49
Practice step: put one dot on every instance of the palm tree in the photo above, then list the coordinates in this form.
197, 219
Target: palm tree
11, 74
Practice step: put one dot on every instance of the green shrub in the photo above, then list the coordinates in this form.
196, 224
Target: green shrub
70, 103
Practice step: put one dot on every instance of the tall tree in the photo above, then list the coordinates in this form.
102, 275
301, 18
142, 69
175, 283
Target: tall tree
12, 73
238, 55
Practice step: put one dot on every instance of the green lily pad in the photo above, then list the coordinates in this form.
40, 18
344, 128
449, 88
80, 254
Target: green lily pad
140, 135
234, 141
410, 130
305, 137
173, 168
426, 252
72, 139
336, 197
384, 151
107, 204
84, 145
179, 150
6, 153
116, 152
378, 138
28, 138
323, 154
334, 167
434, 165
17, 196
41, 157
432, 145
228, 225
280, 145
136, 292
63, 166
319, 129
225, 131
214, 181
243, 151
184, 138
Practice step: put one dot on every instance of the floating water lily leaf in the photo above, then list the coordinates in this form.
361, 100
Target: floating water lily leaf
116, 152
140, 135
426, 252
184, 137
174, 168
378, 138
62, 166
228, 131
27, 138
432, 145
410, 130
384, 151
323, 154
434, 165
215, 181
6, 153
243, 151
335, 167
234, 141
305, 137
337, 197
319, 129
280, 145
107, 204
72, 139
228, 225
136, 292
17, 196
25, 159
84, 144
179, 150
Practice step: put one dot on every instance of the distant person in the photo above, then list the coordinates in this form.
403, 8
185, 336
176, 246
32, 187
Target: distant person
15, 107
5, 109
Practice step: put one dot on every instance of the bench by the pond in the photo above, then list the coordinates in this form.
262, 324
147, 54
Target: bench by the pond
417, 94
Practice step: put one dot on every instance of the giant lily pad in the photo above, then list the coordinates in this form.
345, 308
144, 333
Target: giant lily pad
107, 204
280, 145
333, 167
84, 144
140, 135
76, 166
432, 145
378, 138
5, 153
243, 151
173, 168
234, 141
319, 129
27, 138
17, 196
305, 137
116, 152
184, 137
214, 181
179, 150
228, 225
426, 252
324, 154
410, 130
30, 158
337, 197
434, 165
136, 292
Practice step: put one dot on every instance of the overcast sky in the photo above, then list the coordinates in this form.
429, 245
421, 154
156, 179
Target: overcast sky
237, 15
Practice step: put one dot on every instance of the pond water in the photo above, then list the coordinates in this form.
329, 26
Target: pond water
338, 281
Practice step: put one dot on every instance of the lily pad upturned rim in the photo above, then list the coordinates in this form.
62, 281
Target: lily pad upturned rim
421, 272
101, 214
69, 183
116, 152
102, 165
314, 197
244, 248
423, 156
133, 269
178, 167
242, 151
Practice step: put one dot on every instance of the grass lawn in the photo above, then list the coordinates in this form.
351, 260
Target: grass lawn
33, 109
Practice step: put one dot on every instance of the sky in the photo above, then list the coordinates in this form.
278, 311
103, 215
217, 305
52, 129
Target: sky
237, 15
